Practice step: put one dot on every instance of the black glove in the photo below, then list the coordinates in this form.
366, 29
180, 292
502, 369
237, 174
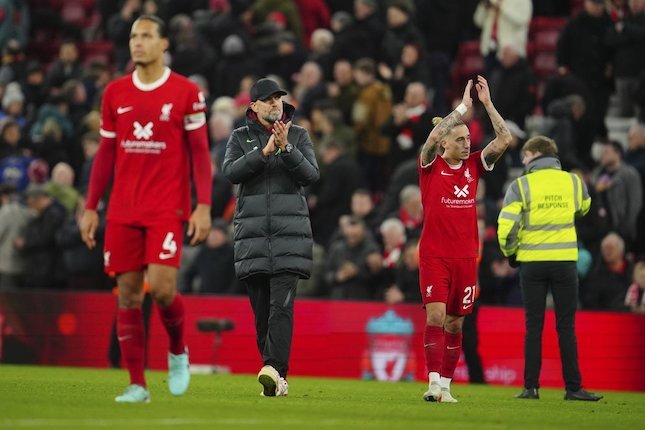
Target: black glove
512, 261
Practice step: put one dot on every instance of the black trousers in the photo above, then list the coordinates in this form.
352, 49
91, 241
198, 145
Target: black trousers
561, 278
272, 298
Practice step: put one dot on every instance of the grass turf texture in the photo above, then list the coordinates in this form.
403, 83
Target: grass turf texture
64, 398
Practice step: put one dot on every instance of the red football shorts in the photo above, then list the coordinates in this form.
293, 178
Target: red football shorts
449, 280
130, 247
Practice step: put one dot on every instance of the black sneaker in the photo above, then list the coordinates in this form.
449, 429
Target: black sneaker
528, 393
581, 395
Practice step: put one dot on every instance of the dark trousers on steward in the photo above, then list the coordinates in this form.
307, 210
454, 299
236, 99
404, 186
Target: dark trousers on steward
561, 278
272, 298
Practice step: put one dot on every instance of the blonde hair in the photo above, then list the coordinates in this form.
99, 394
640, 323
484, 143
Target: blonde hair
437, 119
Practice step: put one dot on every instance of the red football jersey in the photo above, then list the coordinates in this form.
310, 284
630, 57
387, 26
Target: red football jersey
450, 207
149, 123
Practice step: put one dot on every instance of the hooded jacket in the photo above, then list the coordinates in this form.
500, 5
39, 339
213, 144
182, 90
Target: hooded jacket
272, 231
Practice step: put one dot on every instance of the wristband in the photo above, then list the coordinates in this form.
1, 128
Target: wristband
461, 109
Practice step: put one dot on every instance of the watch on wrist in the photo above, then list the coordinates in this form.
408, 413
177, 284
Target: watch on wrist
288, 147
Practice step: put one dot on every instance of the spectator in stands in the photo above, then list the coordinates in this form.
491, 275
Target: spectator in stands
11, 144
309, 87
83, 266
607, 284
314, 14
61, 188
13, 103
235, 63
33, 87
212, 271
411, 67
441, 22
332, 195
582, 51
322, 40
329, 124
372, 108
392, 234
401, 30
189, 54
14, 218
409, 125
512, 85
352, 262
410, 211
565, 119
627, 39
618, 185
44, 267
635, 297
15, 22
635, 157
67, 66
285, 11
361, 37
502, 23
342, 90
406, 287
90, 144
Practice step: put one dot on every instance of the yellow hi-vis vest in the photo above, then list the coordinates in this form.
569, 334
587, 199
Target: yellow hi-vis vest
537, 220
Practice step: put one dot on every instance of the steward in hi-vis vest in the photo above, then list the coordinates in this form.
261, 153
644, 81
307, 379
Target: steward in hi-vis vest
536, 228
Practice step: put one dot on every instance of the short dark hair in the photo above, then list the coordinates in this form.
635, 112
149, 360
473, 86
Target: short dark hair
617, 147
162, 28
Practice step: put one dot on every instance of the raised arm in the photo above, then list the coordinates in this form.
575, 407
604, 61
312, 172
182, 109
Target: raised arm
430, 147
494, 150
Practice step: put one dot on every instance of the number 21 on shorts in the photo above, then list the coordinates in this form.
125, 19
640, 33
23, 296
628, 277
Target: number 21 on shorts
469, 296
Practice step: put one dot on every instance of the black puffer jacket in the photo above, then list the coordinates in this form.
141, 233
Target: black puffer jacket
272, 227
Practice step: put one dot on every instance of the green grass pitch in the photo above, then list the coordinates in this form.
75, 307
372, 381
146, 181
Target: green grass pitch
65, 398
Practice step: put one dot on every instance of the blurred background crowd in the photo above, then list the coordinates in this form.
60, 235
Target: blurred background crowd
366, 77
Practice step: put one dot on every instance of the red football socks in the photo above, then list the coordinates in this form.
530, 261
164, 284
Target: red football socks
131, 334
433, 342
451, 354
173, 319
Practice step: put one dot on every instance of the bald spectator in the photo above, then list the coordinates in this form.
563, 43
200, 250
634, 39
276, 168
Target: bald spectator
309, 87
607, 284
410, 124
321, 42
61, 187
410, 211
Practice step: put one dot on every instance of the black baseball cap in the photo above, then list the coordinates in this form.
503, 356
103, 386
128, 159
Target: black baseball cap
265, 88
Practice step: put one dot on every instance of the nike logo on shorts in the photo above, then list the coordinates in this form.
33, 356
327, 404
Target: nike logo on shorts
163, 256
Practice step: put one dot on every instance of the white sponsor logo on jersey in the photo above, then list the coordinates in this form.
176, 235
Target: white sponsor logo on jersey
461, 192
142, 131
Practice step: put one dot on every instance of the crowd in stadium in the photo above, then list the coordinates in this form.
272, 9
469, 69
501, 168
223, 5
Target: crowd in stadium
366, 76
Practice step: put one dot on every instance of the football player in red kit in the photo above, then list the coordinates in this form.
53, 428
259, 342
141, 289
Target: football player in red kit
448, 245
153, 135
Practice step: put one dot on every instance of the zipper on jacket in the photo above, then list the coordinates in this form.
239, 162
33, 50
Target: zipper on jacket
268, 194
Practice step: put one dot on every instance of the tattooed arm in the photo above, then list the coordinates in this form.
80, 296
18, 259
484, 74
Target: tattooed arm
430, 148
494, 150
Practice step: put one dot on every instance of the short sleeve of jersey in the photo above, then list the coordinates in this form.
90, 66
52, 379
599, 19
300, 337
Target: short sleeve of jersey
108, 128
195, 112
